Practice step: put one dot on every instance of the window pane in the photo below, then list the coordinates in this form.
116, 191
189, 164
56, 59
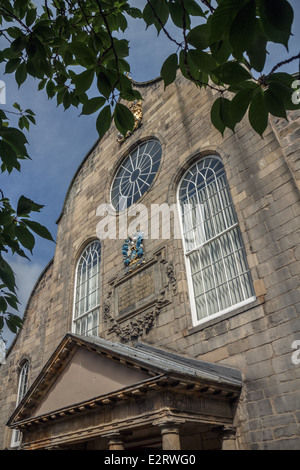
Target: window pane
212, 239
87, 295
198, 284
194, 262
136, 174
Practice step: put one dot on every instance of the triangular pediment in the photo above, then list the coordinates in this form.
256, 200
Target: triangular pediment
85, 372
87, 376
76, 372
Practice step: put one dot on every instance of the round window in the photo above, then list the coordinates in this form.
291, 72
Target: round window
135, 174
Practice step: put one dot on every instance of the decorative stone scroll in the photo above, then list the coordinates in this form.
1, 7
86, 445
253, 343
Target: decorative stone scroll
139, 325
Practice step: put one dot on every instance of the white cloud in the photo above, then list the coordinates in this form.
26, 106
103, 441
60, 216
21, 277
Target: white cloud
26, 274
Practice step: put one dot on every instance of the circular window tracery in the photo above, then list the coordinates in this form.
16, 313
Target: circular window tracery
136, 174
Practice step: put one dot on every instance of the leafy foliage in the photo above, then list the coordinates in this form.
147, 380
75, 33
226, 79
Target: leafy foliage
70, 45
16, 235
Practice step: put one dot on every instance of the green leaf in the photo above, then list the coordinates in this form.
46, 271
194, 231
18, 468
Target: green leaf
21, 74
25, 237
123, 118
283, 92
157, 9
258, 114
215, 115
179, 16
31, 16
23, 122
225, 115
50, 89
276, 18
239, 104
104, 84
274, 103
14, 32
15, 138
84, 55
199, 36
126, 91
38, 229
12, 300
92, 105
19, 44
204, 61
83, 81
148, 15
257, 52
169, 69
188, 68
12, 65
121, 47
193, 8
14, 322
103, 121
243, 28
221, 20
7, 275
134, 12
232, 72
3, 304
8, 156
25, 206
221, 50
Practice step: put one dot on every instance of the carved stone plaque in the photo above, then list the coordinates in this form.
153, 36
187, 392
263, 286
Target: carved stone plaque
136, 299
136, 289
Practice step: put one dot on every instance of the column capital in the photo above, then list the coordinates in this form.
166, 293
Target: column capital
169, 428
168, 422
228, 436
115, 440
227, 431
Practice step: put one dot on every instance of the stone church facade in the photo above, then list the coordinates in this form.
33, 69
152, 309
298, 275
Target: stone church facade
186, 335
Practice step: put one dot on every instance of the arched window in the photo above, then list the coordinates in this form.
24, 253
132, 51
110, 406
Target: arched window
87, 291
219, 277
22, 389
136, 174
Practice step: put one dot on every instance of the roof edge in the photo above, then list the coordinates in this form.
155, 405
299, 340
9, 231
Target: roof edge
46, 268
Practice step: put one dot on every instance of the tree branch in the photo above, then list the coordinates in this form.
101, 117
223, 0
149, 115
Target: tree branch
162, 25
208, 5
284, 62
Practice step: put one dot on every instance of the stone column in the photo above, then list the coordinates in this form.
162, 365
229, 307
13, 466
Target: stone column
228, 434
170, 433
115, 441
170, 437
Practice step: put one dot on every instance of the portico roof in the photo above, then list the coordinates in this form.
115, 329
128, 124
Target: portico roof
86, 373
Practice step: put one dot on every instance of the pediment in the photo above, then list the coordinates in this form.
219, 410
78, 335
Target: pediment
87, 376
86, 372
77, 372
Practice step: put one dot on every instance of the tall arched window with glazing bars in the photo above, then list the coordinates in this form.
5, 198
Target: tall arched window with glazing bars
22, 389
87, 291
217, 269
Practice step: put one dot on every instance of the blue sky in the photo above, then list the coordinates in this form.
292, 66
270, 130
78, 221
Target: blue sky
61, 139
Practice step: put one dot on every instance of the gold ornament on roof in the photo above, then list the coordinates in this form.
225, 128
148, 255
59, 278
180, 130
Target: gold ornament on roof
136, 108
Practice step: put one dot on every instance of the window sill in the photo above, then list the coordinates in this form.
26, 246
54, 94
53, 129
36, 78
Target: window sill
212, 321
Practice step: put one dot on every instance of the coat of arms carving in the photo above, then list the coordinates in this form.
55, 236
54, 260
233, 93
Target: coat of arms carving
133, 253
